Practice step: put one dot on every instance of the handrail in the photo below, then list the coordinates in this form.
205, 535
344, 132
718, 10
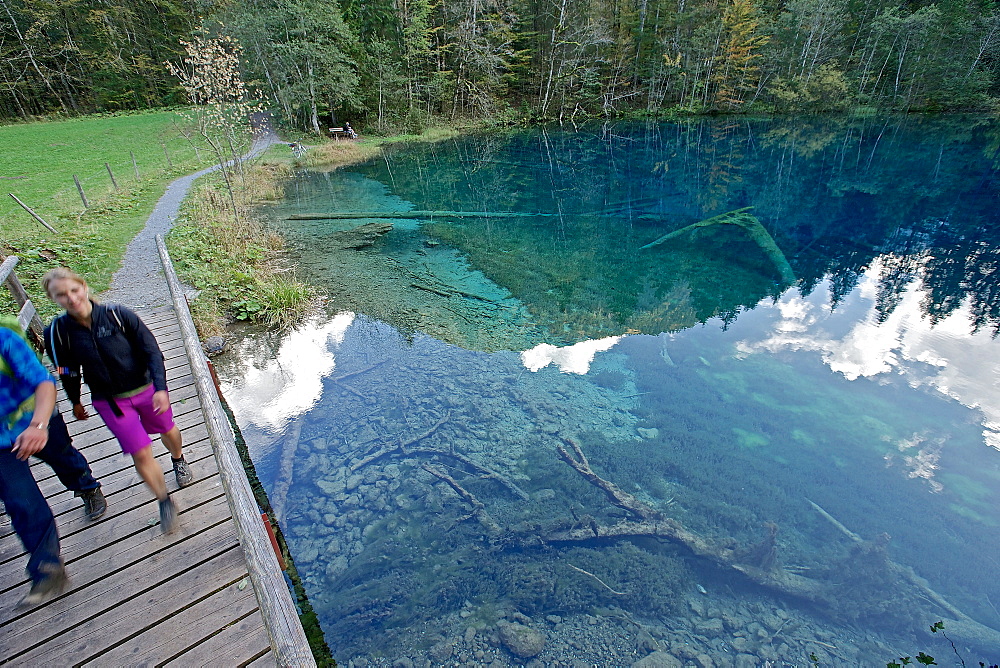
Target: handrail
288, 640
27, 316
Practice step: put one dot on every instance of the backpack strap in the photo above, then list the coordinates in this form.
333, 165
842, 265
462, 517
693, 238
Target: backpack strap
57, 340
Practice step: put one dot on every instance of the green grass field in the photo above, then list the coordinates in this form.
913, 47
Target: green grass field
37, 164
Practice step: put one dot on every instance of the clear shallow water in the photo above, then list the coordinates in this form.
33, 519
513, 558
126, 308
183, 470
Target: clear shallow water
833, 364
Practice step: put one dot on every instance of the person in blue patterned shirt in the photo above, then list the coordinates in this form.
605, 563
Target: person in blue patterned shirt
25, 431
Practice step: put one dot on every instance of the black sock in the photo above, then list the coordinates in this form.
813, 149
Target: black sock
179, 459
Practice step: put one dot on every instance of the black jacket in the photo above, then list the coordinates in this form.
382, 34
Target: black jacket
118, 354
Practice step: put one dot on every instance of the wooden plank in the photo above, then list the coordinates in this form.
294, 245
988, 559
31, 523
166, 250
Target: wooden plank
84, 602
7, 267
120, 555
96, 433
243, 639
25, 315
95, 450
288, 640
136, 522
120, 487
137, 596
110, 471
266, 661
189, 628
101, 633
138, 494
182, 393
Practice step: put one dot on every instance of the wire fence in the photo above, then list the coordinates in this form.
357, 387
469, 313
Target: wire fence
96, 186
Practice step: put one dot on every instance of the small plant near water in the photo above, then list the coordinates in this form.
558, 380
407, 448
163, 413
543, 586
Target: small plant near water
928, 660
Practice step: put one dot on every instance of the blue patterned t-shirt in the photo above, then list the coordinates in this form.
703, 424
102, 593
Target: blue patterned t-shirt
27, 374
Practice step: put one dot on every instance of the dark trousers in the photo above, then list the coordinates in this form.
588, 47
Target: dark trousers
69, 465
29, 512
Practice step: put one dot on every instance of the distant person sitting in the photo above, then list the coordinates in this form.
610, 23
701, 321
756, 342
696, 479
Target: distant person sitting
30, 426
346, 131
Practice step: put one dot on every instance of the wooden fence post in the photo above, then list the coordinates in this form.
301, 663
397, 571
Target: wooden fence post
113, 182
79, 189
135, 167
33, 214
166, 153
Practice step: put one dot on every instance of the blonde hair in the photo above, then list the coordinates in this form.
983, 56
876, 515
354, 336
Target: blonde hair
58, 274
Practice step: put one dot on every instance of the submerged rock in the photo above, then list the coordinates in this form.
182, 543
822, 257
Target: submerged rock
521, 640
213, 345
659, 659
362, 236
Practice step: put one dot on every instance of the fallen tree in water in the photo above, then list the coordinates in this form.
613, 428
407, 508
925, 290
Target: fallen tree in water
867, 560
743, 219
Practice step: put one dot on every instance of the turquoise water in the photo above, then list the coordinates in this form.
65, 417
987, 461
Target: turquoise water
790, 417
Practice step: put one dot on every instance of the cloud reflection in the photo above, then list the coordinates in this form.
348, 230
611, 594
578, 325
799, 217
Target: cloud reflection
944, 356
291, 382
570, 359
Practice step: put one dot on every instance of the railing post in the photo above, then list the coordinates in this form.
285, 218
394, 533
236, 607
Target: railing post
34, 326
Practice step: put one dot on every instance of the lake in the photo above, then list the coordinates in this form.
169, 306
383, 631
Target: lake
720, 392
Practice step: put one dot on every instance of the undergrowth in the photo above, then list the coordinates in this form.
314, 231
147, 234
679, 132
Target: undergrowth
236, 263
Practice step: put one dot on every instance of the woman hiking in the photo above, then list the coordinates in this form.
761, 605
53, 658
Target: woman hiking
123, 366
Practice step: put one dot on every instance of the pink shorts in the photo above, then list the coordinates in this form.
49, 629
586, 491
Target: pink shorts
137, 421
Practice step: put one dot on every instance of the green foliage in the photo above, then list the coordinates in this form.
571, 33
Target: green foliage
302, 56
928, 660
69, 57
826, 90
385, 64
234, 263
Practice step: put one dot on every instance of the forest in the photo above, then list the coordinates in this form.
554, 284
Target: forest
401, 63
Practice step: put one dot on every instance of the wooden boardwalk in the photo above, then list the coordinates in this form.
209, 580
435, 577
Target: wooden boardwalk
138, 597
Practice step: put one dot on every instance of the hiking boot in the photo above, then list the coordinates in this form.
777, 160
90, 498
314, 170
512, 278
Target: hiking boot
182, 472
54, 582
94, 503
168, 515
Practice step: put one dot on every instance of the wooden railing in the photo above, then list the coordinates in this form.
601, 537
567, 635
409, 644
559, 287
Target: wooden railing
27, 316
288, 640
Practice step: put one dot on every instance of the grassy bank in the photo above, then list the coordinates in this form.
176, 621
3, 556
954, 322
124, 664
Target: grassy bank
37, 164
239, 266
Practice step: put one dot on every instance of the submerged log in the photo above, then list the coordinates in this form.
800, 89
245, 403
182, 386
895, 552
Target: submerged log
353, 215
400, 447
618, 496
478, 509
484, 473
763, 568
289, 445
904, 572
748, 222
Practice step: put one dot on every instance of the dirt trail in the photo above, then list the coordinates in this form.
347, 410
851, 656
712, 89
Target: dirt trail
140, 282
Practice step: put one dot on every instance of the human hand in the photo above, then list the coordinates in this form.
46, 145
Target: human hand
79, 412
161, 402
30, 441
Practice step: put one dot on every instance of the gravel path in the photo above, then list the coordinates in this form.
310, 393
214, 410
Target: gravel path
139, 282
